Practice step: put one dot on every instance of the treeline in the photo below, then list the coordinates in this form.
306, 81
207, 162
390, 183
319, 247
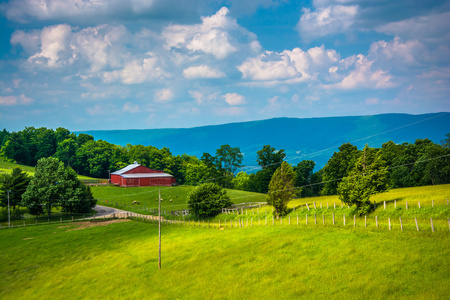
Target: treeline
409, 164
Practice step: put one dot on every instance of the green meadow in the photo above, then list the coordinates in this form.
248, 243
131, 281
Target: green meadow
120, 260
147, 197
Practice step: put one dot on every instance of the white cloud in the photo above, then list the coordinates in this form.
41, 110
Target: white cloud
234, 99
397, 50
372, 101
289, 66
428, 27
130, 107
54, 46
202, 71
137, 71
326, 20
163, 95
15, 100
363, 77
217, 35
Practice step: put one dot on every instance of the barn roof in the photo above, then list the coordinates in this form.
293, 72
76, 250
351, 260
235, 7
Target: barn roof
126, 169
146, 175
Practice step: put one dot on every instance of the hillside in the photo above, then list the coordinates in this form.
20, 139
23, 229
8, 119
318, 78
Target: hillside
314, 139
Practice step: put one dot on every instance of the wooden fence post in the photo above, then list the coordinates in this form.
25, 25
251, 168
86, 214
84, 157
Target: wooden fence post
401, 224
320, 204
432, 202
365, 220
334, 205
344, 219
266, 221
333, 218
327, 205
448, 221
323, 219
354, 220
314, 204
389, 219
376, 220
432, 227
418, 203
315, 219
384, 203
307, 206
417, 225
306, 219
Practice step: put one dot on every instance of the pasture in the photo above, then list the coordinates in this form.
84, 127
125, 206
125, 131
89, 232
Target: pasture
120, 260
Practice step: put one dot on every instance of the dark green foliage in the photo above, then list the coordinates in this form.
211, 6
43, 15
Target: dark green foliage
338, 167
304, 178
17, 183
368, 177
55, 185
281, 189
207, 200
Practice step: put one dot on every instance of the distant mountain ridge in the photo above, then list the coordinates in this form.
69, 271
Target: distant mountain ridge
307, 138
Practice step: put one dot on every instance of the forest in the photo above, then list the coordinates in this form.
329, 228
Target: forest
409, 164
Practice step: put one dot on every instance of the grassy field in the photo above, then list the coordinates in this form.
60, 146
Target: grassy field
283, 262
6, 167
148, 197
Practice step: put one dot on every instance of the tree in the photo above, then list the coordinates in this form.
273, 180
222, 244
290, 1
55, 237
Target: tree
55, 186
240, 182
281, 189
207, 200
269, 159
338, 167
369, 177
17, 183
303, 181
229, 158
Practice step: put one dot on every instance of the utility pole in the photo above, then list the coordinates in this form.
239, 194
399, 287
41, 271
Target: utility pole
159, 258
9, 214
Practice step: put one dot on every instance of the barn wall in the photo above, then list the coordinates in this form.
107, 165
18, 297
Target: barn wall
115, 179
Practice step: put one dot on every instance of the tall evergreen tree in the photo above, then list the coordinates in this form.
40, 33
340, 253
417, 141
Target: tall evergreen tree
281, 189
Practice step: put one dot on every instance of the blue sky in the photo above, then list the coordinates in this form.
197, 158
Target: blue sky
113, 64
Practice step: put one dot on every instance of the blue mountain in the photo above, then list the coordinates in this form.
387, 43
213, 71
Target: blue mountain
302, 139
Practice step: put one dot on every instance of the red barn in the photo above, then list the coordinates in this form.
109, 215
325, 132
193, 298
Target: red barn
136, 175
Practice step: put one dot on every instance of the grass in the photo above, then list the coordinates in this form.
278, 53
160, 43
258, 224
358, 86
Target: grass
6, 167
289, 262
148, 197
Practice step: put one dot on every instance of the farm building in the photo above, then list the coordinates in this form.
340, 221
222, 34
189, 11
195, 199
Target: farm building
136, 175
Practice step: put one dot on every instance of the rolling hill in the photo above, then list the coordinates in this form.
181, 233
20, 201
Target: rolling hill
309, 138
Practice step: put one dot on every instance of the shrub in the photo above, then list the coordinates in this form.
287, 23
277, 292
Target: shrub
207, 200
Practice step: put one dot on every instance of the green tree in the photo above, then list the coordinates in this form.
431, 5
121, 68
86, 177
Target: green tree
17, 183
269, 159
369, 177
304, 174
207, 200
66, 151
338, 167
281, 189
241, 181
55, 186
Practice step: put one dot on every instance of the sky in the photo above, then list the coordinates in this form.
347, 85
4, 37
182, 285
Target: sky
138, 64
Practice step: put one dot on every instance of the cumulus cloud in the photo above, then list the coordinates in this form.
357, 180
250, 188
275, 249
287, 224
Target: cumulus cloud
61, 45
163, 95
218, 35
15, 100
289, 66
326, 20
234, 99
202, 97
363, 77
202, 71
137, 71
